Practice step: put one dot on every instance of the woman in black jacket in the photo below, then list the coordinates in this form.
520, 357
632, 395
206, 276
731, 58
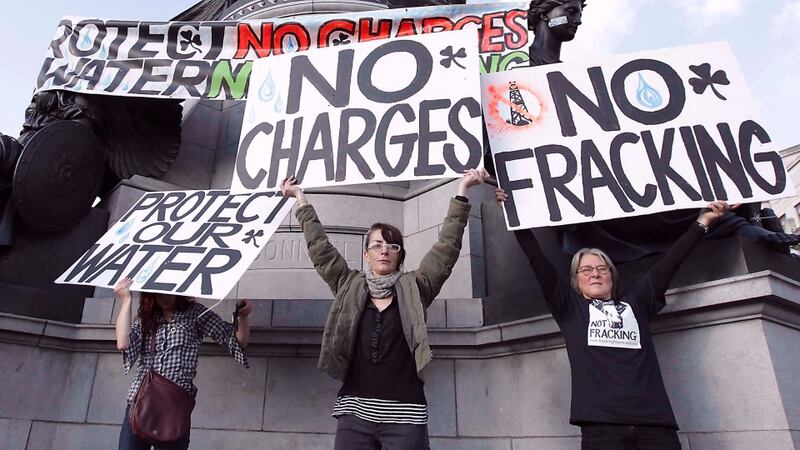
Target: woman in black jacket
618, 396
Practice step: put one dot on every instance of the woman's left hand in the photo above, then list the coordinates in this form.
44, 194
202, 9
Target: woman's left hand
472, 177
712, 212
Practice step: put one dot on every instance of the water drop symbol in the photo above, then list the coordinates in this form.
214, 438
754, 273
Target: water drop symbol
290, 45
267, 91
103, 52
86, 42
646, 95
124, 231
278, 104
251, 116
126, 87
144, 274
106, 80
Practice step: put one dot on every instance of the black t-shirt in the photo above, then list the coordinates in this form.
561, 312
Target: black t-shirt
383, 366
615, 373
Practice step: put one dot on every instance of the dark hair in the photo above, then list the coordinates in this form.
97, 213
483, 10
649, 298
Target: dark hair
149, 309
539, 7
391, 235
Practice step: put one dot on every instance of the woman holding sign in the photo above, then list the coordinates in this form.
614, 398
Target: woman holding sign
375, 338
165, 339
618, 396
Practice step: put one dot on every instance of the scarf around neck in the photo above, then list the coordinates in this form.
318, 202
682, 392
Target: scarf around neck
382, 286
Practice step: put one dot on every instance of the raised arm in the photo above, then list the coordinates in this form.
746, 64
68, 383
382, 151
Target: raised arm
661, 274
122, 326
242, 327
553, 287
331, 266
437, 264
129, 336
209, 323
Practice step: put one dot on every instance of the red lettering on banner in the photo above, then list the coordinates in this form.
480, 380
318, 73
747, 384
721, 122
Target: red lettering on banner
366, 32
488, 32
295, 29
247, 40
332, 26
462, 22
517, 22
436, 24
406, 27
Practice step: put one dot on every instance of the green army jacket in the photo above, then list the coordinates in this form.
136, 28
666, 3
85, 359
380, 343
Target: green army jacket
416, 290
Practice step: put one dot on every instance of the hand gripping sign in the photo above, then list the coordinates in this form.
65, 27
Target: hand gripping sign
639, 133
192, 243
393, 110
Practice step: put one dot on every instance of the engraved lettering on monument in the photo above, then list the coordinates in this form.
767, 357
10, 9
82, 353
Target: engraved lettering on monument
288, 251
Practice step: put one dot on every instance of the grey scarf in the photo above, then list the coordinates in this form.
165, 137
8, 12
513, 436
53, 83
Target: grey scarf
382, 286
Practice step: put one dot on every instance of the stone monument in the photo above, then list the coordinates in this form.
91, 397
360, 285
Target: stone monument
500, 377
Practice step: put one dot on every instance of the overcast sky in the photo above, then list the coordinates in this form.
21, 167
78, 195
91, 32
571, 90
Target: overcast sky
764, 35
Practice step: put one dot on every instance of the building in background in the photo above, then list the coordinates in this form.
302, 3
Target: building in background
788, 209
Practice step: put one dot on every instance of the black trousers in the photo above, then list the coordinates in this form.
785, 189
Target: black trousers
602, 436
353, 433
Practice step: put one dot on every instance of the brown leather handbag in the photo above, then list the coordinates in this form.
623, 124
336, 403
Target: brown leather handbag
161, 411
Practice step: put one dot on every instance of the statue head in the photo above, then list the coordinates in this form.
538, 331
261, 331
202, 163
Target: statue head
561, 17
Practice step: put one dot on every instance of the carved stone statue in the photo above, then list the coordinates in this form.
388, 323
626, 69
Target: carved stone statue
74, 147
555, 22
552, 22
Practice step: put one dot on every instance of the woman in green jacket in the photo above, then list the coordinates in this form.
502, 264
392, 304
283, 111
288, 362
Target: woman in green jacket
375, 340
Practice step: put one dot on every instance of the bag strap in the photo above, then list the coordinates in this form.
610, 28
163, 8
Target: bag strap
154, 335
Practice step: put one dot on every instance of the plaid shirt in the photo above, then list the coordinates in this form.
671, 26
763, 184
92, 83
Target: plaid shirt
177, 343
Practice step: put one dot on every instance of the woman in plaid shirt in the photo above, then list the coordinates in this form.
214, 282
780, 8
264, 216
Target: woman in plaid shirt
179, 325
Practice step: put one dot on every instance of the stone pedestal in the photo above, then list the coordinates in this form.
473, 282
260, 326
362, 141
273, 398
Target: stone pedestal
729, 352
29, 266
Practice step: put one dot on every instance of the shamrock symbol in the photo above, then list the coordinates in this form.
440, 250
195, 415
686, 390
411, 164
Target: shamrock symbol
252, 235
188, 38
450, 57
341, 39
705, 80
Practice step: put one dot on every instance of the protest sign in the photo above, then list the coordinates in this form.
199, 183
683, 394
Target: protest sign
192, 243
213, 59
637, 134
391, 110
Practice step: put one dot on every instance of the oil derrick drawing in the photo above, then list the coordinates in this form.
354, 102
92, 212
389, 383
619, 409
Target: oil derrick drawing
517, 106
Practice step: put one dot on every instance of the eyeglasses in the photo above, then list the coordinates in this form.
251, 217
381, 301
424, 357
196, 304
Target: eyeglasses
391, 248
587, 270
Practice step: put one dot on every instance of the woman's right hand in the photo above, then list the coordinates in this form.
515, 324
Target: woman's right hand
123, 289
289, 188
500, 195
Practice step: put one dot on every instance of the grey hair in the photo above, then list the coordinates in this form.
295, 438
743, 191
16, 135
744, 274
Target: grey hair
539, 7
576, 260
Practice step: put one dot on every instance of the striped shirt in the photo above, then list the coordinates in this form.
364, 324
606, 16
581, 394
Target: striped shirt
381, 411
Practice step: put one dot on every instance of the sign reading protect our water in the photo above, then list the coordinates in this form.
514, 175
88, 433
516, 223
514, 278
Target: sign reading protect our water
637, 134
192, 243
402, 109
213, 59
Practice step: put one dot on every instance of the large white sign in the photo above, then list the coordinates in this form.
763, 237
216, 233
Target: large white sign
192, 243
634, 134
402, 109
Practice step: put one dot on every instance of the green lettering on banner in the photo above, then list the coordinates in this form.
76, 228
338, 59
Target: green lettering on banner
236, 83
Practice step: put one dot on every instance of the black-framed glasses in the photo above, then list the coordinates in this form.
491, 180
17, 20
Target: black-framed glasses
378, 247
587, 270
